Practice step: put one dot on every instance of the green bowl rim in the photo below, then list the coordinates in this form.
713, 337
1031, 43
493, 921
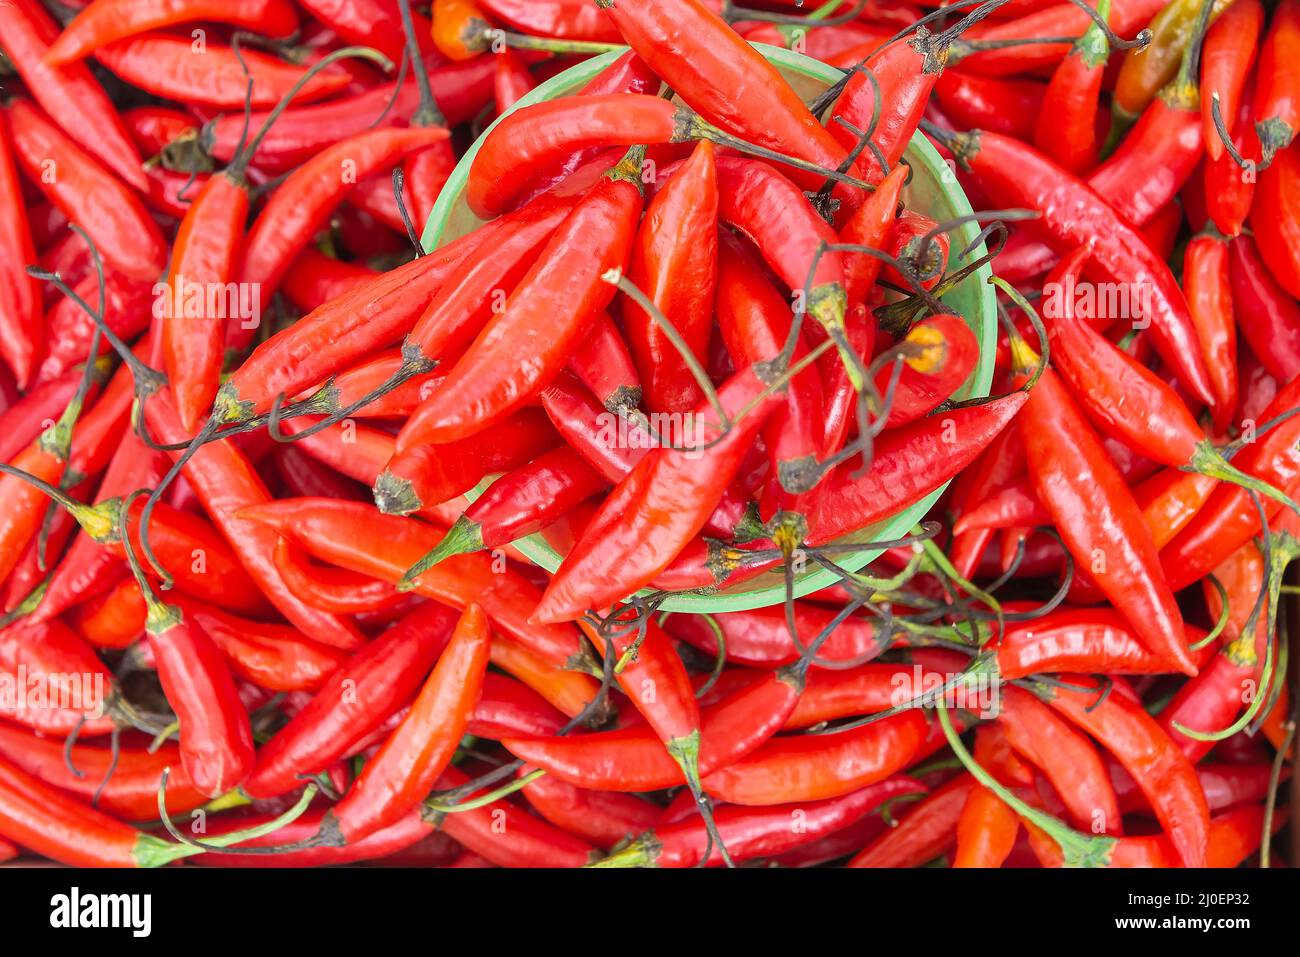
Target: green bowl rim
923, 156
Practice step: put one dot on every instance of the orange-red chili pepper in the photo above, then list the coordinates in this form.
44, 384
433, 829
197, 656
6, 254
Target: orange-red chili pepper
1165, 776
162, 64
405, 768
88, 194
1277, 89
1226, 59
1095, 513
70, 94
104, 21
384, 674
543, 318
1016, 175
674, 262
20, 300
724, 79
662, 504
360, 538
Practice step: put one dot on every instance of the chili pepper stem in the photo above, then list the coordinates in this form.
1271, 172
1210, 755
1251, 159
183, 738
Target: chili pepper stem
686, 752
465, 535
151, 851
691, 126
1208, 460
642, 852
1078, 850
98, 521
470, 804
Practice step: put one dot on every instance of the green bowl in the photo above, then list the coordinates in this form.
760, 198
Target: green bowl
933, 190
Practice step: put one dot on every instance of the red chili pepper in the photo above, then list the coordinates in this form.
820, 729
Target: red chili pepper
870, 226
69, 94
1228, 519
813, 767
907, 464
104, 21
372, 23
112, 620
163, 65
1009, 107
915, 241
661, 505
475, 288
925, 833
508, 707
1277, 106
939, 354
216, 740
569, 692
1094, 640
303, 202
755, 324
1229, 191
54, 825
1165, 776
513, 80
990, 54
275, 657
88, 194
68, 670
20, 300
88, 568
127, 311
39, 408
604, 365
543, 319
760, 638
604, 818
724, 79
988, 827
1226, 59
562, 19
1065, 756
674, 262
1095, 512
128, 777
756, 832
226, 483
1066, 128
403, 770
314, 279
371, 316
1209, 297
905, 73
507, 835
362, 539
333, 589
634, 759
426, 475
1127, 400
460, 89
1016, 175
49, 459
1272, 216
520, 503
384, 674
154, 128
1268, 317
749, 192
406, 834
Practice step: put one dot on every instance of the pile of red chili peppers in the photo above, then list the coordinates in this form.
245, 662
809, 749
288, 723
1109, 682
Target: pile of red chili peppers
271, 461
